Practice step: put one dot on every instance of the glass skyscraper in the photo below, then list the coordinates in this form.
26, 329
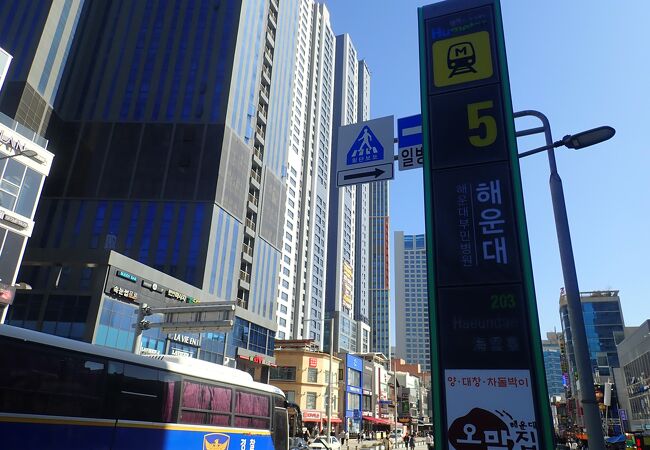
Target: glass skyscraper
603, 319
551, 349
170, 126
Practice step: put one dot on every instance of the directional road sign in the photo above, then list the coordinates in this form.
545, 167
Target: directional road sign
365, 152
409, 142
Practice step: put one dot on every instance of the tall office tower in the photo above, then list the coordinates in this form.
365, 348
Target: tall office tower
171, 129
603, 318
551, 349
38, 34
362, 236
302, 280
341, 233
411, 302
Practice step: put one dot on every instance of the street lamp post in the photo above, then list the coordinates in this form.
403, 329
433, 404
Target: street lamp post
574, 307
328, 407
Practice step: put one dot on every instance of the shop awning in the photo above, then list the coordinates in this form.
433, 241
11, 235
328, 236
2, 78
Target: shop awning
334, 420
377, 420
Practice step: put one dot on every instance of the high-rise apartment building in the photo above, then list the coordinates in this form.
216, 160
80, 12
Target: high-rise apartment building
39, 35
362, 220
171, 126
343, 227
301, 301
411, 301
379, 282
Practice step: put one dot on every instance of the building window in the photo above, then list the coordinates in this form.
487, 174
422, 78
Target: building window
283, 373
312, 375
354, 377
291, 396
311, 400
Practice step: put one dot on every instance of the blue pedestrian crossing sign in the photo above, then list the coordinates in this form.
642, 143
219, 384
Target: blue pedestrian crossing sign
364, 152
366, 148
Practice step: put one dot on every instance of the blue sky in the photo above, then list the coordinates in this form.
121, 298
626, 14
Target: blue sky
583, 64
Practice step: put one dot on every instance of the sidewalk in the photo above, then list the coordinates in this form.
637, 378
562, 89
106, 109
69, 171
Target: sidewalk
354, 445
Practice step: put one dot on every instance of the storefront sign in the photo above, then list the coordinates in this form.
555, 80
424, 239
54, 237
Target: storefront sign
313, 362
179, 352
309, 415
152, 286
121, 292
183, 339
127, 276
354, 389
354, 362
258, 359
176, 295
180, 297
11, 142
13, 220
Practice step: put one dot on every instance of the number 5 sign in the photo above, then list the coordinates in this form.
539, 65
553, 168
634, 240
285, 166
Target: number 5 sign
481, 299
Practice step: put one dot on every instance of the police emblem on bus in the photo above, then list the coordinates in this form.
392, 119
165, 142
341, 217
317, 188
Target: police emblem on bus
216, 441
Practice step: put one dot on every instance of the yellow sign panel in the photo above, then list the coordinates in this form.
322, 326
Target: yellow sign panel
347, 284
462, 59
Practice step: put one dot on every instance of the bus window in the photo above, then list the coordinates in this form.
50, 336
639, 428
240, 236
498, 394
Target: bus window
43, 381
280, 429
252, 410
142, 395
200, 402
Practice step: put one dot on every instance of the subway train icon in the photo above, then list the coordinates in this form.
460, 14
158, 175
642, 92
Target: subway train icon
461, 58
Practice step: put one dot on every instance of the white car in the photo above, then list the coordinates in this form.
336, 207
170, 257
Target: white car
323, 442
399, 434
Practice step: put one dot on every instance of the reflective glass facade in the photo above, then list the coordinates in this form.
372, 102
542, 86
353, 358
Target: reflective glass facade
152, 119
603, 318
553, 370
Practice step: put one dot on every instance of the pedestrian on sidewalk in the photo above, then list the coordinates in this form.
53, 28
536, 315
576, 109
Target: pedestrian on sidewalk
386, 442
429, 441
412, 441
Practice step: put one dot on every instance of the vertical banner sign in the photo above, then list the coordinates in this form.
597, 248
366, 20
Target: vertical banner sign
487, 367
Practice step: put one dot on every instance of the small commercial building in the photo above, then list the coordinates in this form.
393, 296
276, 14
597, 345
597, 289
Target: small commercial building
106, 293
303, 373
634, 384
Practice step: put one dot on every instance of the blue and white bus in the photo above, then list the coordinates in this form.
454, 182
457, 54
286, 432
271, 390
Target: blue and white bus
60, 394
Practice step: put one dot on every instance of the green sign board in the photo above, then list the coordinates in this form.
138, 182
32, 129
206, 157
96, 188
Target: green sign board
487, 367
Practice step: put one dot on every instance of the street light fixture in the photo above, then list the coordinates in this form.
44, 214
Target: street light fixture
28, 153
574, 307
